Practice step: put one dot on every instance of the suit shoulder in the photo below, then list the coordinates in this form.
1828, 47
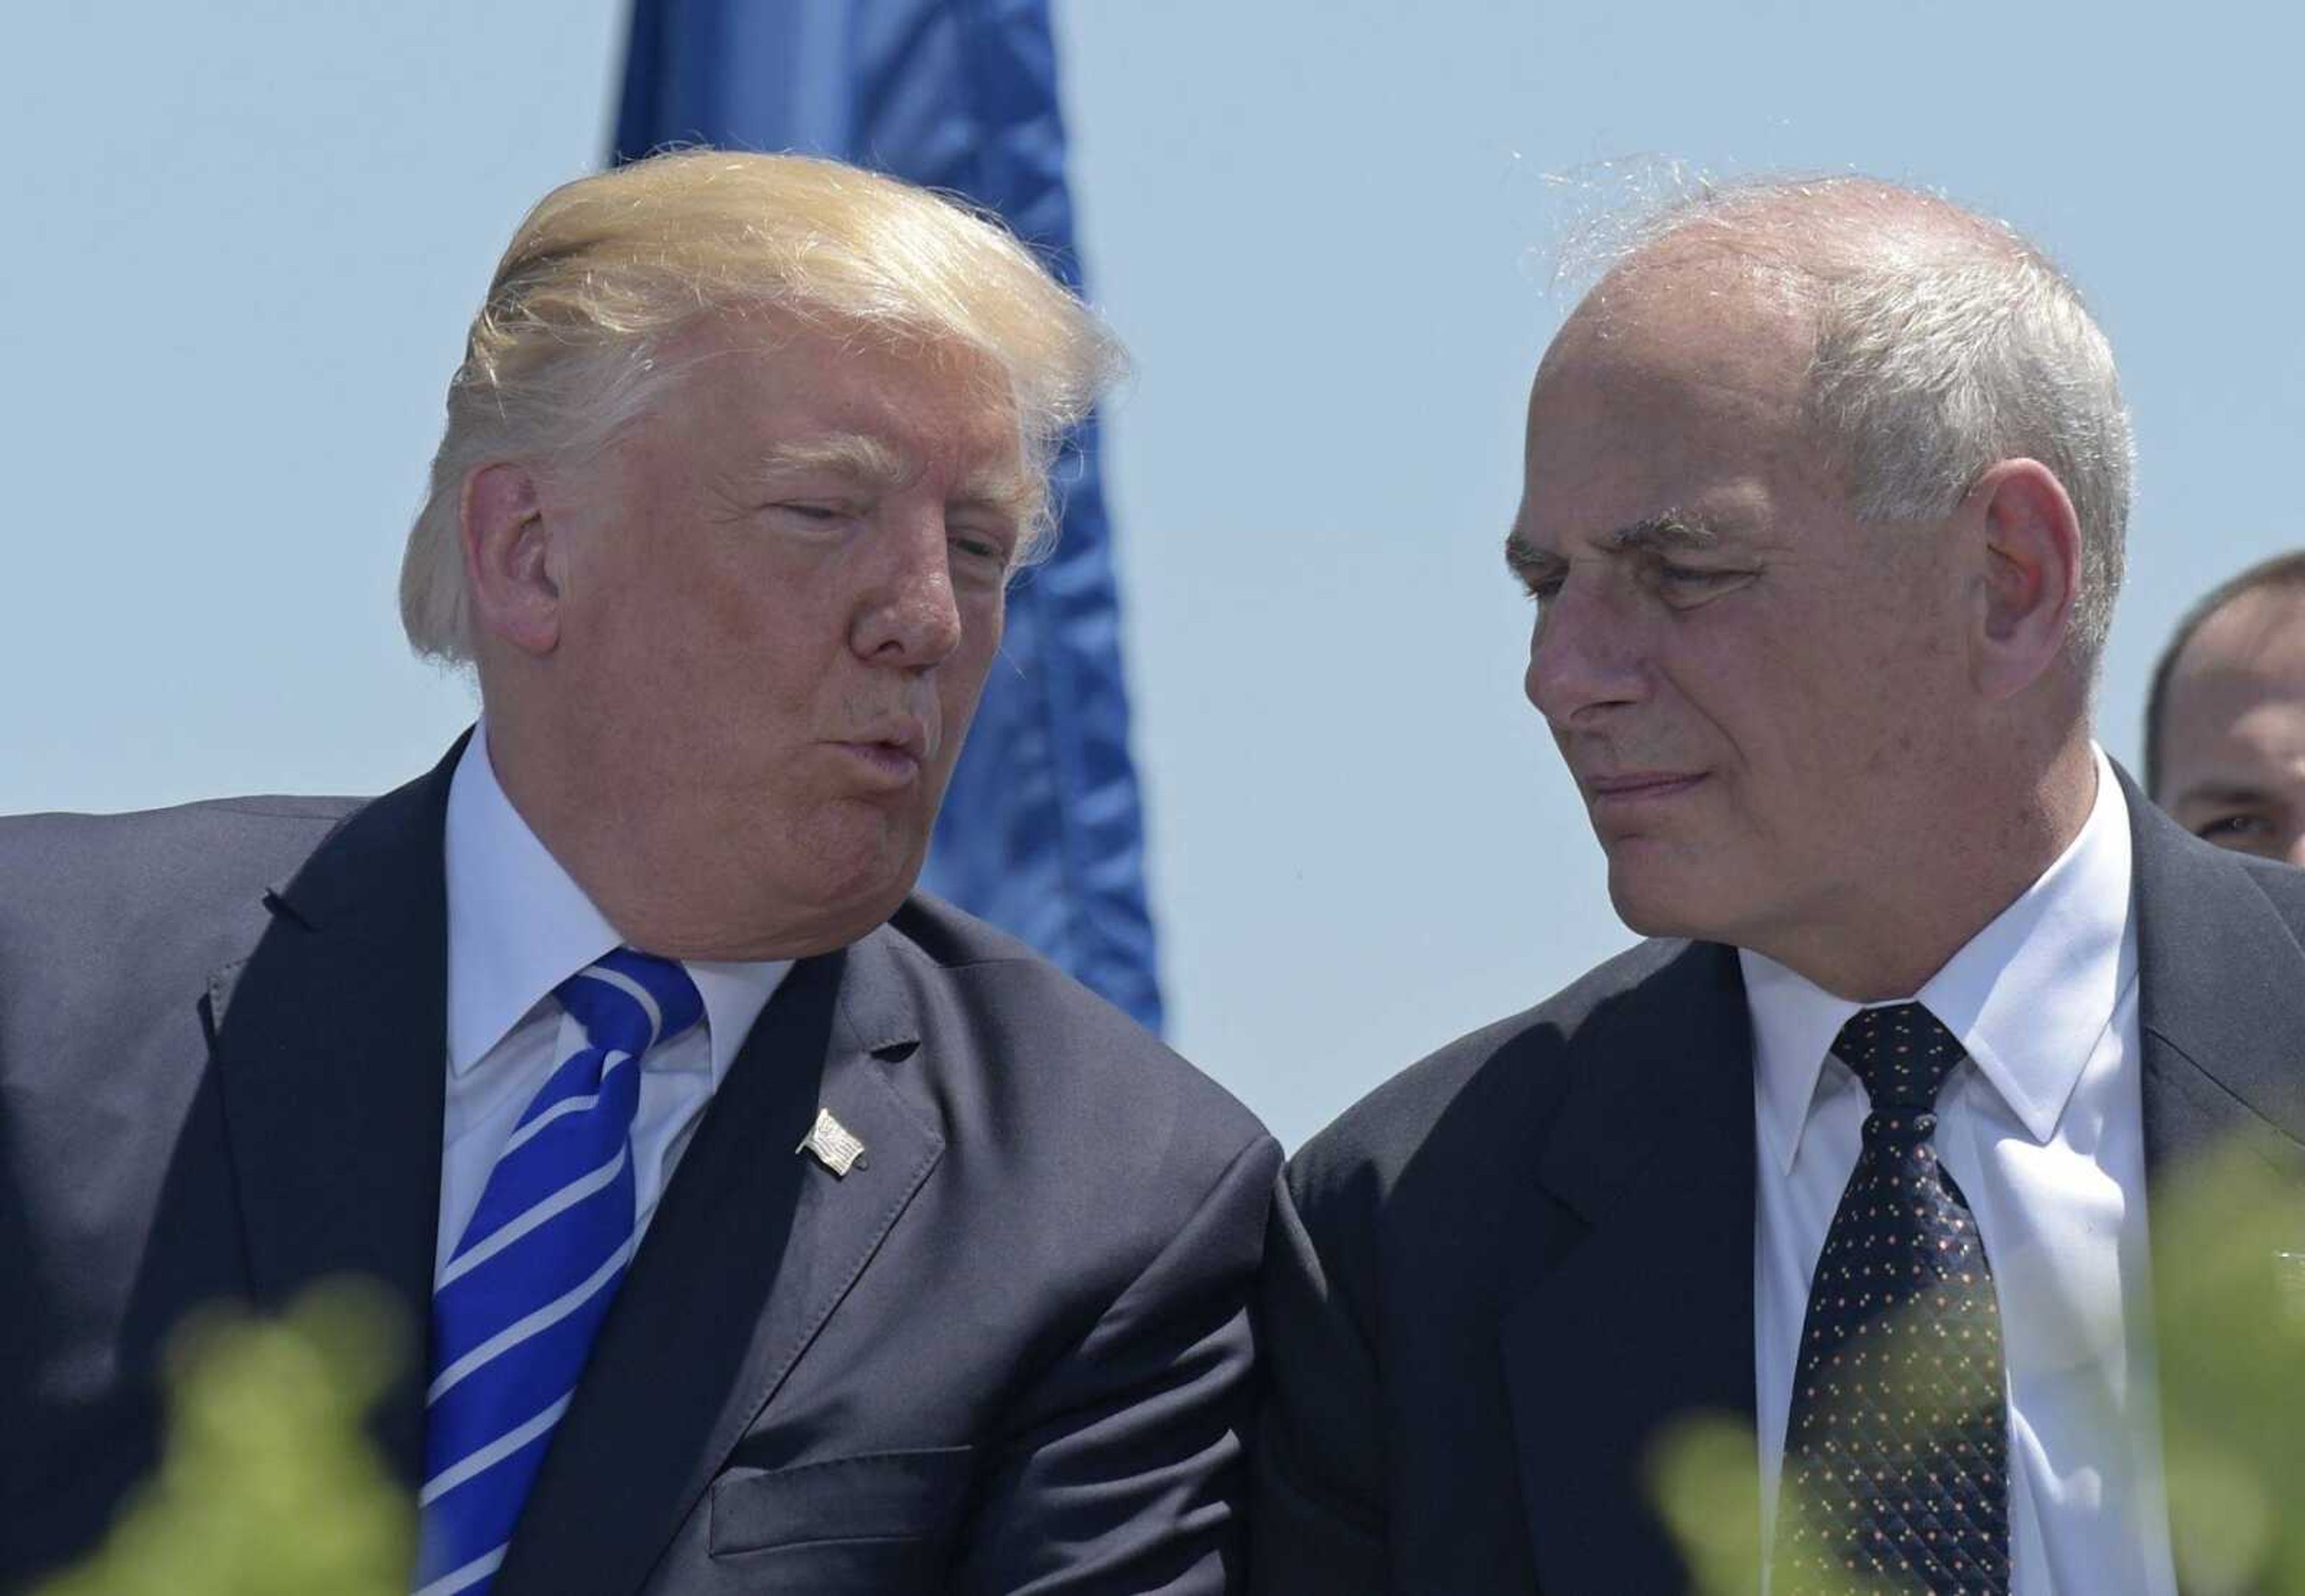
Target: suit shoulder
2284, 887
120, 871
1498, 1079
1058, 1039
217, 832
952, 937
2186, 872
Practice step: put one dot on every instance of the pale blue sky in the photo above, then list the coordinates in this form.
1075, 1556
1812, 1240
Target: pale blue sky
244, 238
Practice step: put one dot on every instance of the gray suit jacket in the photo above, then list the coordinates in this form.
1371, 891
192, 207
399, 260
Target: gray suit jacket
1496, 1278
1009, 1352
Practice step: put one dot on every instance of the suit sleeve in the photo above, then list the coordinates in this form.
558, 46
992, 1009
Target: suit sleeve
1316, 1511
1128, 1469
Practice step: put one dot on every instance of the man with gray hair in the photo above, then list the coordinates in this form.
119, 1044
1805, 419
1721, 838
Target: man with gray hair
1825, 484
764, 1225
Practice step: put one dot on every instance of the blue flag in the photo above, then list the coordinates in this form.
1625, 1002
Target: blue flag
1042, 830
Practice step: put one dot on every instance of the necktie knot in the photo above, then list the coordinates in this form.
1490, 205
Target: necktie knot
1902, 1053
629, 1002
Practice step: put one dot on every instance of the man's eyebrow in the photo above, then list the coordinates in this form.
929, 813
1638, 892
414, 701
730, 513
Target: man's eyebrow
1520, 551
1523, 559
2223, 792
850, 454
1005, 489
873, 460
1673, 530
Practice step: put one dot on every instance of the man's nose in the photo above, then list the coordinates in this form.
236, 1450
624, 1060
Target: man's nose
1584, 655
911, 615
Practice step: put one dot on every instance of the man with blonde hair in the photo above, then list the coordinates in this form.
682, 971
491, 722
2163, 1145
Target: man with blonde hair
766, 1227
1822, 523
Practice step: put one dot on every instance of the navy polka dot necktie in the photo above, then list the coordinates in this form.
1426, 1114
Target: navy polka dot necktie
1896, 1446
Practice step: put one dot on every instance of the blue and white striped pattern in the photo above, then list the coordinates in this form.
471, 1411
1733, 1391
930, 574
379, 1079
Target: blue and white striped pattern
515, 1308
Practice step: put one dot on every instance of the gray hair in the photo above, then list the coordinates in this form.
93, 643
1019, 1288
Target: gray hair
1944, 342
565, 352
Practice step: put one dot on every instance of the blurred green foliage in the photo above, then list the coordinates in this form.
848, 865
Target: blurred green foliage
2229, 1285
2229, 1309
269, 1485
1704, 1477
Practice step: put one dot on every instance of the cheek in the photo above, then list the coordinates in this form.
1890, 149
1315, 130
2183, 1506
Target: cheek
961, 677
756, 649
1795, 728
722, 600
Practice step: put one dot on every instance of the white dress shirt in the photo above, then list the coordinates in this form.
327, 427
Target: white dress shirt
518, 927
2042, 1128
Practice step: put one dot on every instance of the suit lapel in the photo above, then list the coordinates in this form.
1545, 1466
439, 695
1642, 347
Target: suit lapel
2221, 1003
1649, 1316
329, 1053
751, 1249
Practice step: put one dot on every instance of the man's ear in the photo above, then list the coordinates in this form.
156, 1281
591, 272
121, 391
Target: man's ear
2031, 540
508, 563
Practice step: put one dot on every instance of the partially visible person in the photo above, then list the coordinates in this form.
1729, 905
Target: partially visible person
1824, 496
769, 1226
2225, 721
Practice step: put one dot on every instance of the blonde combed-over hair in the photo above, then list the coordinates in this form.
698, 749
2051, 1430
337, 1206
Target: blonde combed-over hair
605, 271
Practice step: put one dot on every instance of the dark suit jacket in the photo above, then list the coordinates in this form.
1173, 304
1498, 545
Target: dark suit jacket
1498, 1276
1009, 1352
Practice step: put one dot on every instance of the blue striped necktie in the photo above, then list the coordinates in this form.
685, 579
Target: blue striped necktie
517, 1303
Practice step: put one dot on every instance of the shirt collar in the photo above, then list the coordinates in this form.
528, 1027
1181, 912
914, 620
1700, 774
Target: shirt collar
519, 925
2028, 996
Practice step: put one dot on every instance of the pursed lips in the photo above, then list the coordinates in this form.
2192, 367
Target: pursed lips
908, 736
892, 751
1629, 788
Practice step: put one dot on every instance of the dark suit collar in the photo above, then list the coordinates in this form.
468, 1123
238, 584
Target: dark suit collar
328, 1054
1649, 1316
2221, 1000
753, 1248
880, 1003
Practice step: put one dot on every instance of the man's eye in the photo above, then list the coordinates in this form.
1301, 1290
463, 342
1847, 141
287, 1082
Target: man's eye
811, 510
992, 542
2233, 828
1692, 584
1537, 582
983, 553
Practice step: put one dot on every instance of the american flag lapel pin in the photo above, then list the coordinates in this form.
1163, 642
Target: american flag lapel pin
832, 1144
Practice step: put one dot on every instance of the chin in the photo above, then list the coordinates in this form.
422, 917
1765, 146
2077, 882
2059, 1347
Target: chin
808, 923
1654, 904
848, 897
867, 910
